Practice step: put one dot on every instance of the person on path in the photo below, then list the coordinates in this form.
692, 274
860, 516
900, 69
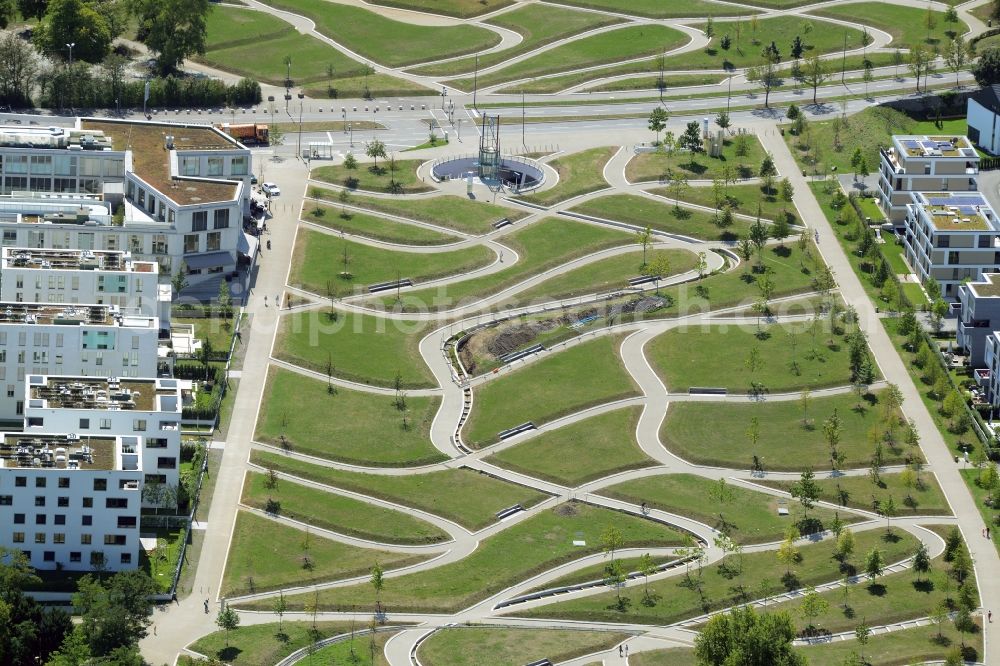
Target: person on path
621, 651
989, 616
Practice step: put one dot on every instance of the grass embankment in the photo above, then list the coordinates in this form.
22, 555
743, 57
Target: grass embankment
562, 383
742, 154
348, 426
907, 25
390, 177
922, 497
374, 227
661, 215
500, 646
579, 174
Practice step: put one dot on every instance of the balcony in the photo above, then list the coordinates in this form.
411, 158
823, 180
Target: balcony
982, 376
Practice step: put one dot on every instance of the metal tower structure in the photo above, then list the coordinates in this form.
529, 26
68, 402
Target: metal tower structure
489, 152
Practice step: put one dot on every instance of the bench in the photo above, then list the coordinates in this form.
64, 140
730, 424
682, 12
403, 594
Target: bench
509, 511
386, 286
643, 279
515, 356
707, 390
540, 662
517, 430
501, 223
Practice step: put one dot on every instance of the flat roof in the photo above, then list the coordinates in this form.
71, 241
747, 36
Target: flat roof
923, 145
151, 159
65, 138
78, 260
988, 287
62, 452
66, 314
957, 211
93, 393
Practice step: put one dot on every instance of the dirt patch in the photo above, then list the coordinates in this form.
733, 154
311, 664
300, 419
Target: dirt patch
566, 509
644, 304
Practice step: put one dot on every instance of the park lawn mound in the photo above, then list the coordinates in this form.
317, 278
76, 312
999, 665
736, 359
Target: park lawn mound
541, 246
748, 516
360, 653
579, 174
376, 85
386, 41
580, 452
264, 644
707, 433
742, 198
605, 275
597, 572
456, 8
265, 555
742, 154
721, 586
435, 492
713, 357
356, 347
561, 383
390, 177
228, 26
519, 552
300, 414
537, 24
886, 600
337, 513
661, 215
460, 214
654, 83
912, 494
318, 264
907, 25
661, 10
375, 227
502, 646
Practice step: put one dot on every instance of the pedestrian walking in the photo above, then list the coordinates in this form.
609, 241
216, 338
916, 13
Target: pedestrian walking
621, 651
989, 616
206, 606
987, 531
626, 651
265, 301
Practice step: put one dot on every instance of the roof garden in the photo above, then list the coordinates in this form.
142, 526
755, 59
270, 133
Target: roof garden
93, 393
989, 287
958, 211
151, 159
61, 452
936, 146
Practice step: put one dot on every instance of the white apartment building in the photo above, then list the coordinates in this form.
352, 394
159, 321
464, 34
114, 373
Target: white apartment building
69, 501
180, 192
148, 409
84, 276
952, 237
918, 163
86, 340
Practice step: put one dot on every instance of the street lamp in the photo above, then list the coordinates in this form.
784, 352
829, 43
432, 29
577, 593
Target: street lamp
70, 47
374, 111
343, 113
444, 93
350, 130
299, 143
72, 87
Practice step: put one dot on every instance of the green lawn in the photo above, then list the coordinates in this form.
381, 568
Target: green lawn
908, 646
400, 178
262, 644
543, 245
979, 495
713, 434
561, 383
537, 24
634, 41
743, 199
580, 452
358, 429
360, 347
605, 275
435, 492
653, 82
358, 653
374, 86
579, 173
596, 571
453, 212
749, 516
318, 264
265, 555
391, 43
457, 8
519, 552
660, 215
676, 600
646, 167
714, 357
861, 493
893, 251
907, 25
501, 646
747, 43
217, 331
655, 9
338, 513
372, 226
226, 26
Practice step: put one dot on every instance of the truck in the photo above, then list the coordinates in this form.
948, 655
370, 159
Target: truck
248, 134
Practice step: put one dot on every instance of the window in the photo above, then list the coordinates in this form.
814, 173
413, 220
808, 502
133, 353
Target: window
100, 484
6, 500
88, 502
199, 220
19, 519
62, 501
49, 555
190, 243
221, 220
985, 241
943, 241
213, 242
96, 559
214, 166
63, 482
40, 537
40, 481
86, 520
39, 500
166, 463
41, 519
156, 478
139, 425
159, 244
156, 443
84, 424
116, 503
74, 556
59, 537
114, 539
239, 166
126, 522
189, 166
105, 424
59, 519
85, 539
126, 558
20, 481
18, 537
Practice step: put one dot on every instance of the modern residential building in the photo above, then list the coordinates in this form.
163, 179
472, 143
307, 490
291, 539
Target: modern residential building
924, 164
979, 317
71, 502
952, 237
983, 117
84, 276
63, 339
171, 193
988, 377
149, 409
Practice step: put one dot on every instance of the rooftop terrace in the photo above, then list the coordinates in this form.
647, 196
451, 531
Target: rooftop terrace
75, 260
151, 159
936, 146
989, 286
59, 314
92, 393
62, 452
958, 211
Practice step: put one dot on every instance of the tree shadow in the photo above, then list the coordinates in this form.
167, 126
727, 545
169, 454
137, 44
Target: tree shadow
925, 585
351, 183
849, 612
282, 637
620, 605
890, 537
876, 589
810, 525
790, 581
848, 569
228, 654
783, 251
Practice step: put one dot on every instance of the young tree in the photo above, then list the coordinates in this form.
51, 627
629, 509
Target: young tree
862, 632
677, 185
887, 508
815, 74
658, 268
806, 490
611, 541
787, 189
378, 584
805, 399
742, 636
921, 561
919, 63
813, 605
767, 172
788, 554
957, 55
691, 138
722, 494
615, 576
179, 280
350, 162
658, 121
769, 77
647, 567
228, 620
279, 607
845, 545
172, 29
644, 237
722, 118
759, 235
375, 149
874, 564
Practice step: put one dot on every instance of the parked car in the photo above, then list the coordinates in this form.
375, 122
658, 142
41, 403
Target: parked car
271, 190
253, 179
